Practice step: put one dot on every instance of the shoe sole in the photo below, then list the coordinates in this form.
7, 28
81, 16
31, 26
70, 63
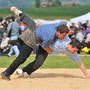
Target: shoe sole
4, 78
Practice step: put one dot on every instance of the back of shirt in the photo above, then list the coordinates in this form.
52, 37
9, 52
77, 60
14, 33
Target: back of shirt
47, 33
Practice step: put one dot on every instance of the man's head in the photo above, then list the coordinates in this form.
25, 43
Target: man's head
62, 31
12, 18
74, 46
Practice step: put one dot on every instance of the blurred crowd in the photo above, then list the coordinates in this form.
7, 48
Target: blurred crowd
11, 28
82, 33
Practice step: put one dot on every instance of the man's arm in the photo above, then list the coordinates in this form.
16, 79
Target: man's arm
46, 49
83, 69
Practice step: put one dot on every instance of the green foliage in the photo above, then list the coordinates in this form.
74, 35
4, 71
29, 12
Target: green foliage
52, 61
57, 3
32, 5
37, 3
50, 0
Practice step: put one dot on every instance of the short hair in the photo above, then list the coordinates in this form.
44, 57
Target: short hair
63, 29
12, 17
75, 43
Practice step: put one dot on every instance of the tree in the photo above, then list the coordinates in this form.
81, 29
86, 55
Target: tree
50, 0
37, 3
32, 5
56, 3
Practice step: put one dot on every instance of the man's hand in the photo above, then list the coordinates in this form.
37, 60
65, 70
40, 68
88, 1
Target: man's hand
88, 77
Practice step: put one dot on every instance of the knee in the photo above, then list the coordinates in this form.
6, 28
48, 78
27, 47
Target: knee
21, 60
37, 65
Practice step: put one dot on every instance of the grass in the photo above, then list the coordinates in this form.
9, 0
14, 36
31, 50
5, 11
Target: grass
52, 13
52, 61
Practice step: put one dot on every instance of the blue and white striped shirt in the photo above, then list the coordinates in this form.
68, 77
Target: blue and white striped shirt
60, 47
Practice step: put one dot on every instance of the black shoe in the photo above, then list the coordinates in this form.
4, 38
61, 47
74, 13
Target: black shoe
4, 76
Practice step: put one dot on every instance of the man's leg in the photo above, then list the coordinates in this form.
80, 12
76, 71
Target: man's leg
23, 17
39, 60
25, 51
27, 20
11, 51
16, 50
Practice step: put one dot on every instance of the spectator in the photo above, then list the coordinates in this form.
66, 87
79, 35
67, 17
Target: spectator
1, 32
22, 26
4, 48
13, 31
79, 25
15, 18
87, 41
8, 18
80, 36
85, 25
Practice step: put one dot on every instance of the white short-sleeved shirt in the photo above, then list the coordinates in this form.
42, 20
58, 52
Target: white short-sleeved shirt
60, 46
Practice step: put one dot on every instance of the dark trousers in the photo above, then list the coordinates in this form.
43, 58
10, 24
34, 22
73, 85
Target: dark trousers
39, 60
25, 52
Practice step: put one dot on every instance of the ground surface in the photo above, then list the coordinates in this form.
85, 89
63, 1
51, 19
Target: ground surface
48, 79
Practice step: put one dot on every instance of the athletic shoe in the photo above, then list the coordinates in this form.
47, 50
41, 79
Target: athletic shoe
20, 72
4, 76
15, 10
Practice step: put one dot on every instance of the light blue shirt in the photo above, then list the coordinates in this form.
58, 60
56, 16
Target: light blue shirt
60, 47
15, 29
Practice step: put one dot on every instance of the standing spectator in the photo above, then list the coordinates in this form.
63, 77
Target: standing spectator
15, 18
1, 19
13, 31
22, 26
1, 32
85, 25
8, 18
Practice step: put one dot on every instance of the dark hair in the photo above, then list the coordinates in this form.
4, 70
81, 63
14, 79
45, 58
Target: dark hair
12, 17
76, 43
63, 29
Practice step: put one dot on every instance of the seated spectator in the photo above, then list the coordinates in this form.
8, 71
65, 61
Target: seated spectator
80, 36
79, 25
4, 48
87, 41
86, 31
72, 33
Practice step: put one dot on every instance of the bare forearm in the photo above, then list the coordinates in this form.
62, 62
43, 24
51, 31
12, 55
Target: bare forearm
47, 49
83, 69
